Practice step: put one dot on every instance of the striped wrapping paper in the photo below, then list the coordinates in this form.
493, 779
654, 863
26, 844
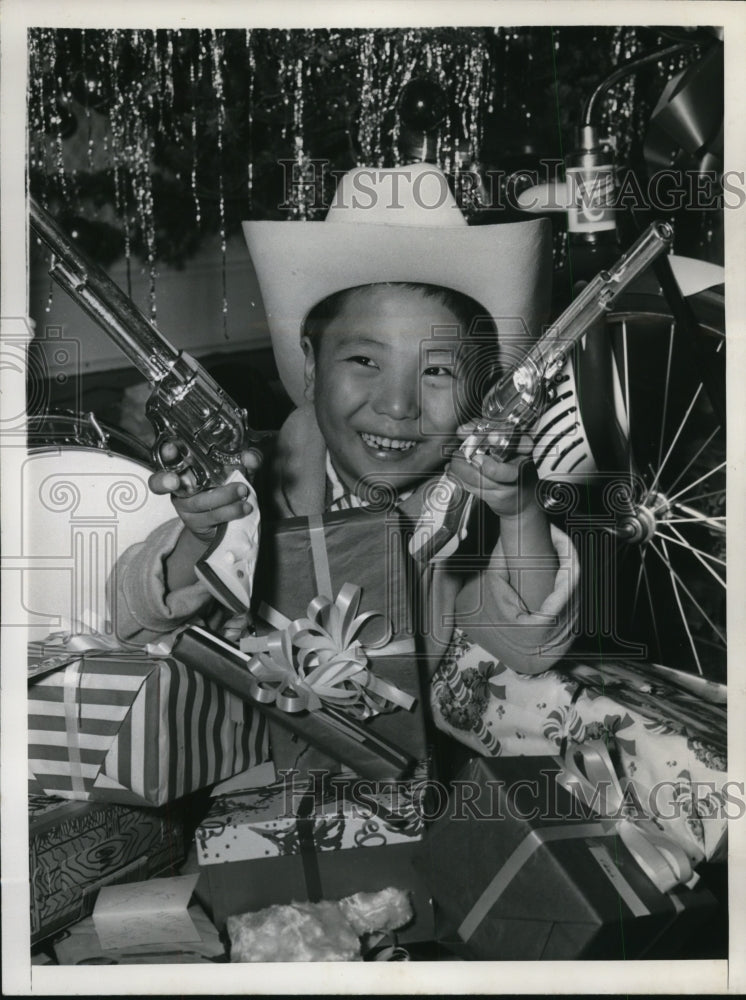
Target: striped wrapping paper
124, 727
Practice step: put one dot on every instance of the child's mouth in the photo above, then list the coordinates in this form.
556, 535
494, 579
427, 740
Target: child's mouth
387, 444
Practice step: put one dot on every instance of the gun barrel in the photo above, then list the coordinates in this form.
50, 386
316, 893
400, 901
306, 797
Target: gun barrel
519, 387
104, 301
517, 398
599, 295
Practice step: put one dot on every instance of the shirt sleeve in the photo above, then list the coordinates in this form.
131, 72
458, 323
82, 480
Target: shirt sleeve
492, 613
142, 608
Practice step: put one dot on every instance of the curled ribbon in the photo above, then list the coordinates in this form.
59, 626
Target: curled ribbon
275, 678
663, 861
319, 659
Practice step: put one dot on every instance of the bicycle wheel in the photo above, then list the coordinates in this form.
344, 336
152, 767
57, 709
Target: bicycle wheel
655, 433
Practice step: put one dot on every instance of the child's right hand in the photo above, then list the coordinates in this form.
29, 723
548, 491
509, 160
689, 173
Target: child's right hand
202, 512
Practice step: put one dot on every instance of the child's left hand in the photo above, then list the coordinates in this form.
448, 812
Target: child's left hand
508, 488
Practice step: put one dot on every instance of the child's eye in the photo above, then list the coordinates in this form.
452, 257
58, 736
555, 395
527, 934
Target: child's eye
362, 359
439, 370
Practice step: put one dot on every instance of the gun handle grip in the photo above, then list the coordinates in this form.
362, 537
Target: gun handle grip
227, 568
442, 523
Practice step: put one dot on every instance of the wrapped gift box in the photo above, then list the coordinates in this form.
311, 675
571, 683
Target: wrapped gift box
128, 728
306, 557
78, 847
669, 730
302, 557
293, 841
517, 873
405, 730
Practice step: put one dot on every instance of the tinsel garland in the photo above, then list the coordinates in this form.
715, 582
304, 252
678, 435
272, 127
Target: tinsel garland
146, 142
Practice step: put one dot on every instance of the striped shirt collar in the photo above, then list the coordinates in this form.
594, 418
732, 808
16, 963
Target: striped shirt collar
344, 499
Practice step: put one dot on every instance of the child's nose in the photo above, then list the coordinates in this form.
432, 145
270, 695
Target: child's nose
397, 398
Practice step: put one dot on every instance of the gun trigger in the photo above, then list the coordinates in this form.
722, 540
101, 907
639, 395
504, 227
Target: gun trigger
180, 461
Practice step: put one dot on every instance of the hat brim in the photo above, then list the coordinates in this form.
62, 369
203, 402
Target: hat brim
505, 267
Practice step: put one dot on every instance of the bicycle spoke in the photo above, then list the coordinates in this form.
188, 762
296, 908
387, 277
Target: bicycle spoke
667, 562
697, 514
694, 517
695, 552
701, 496
626, 391
711, 526
639, 580
688, 545
679, 491
681, 612
676, 436
692, 460
651, 603
665, 392
697, 482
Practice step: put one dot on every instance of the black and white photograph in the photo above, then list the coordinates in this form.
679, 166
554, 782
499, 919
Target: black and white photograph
366, 379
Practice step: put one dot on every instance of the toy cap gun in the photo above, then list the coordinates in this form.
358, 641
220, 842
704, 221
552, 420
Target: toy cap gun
519, 397
187, 408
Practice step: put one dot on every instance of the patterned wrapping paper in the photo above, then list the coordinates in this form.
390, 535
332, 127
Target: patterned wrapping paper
268, 846
263, 822
75, 848
670, 741
127, 728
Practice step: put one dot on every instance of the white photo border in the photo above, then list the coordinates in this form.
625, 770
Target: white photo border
19, 978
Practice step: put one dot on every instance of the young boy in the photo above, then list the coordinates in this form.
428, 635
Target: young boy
388, 366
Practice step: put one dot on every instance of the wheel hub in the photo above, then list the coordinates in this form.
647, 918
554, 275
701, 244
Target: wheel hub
639, 525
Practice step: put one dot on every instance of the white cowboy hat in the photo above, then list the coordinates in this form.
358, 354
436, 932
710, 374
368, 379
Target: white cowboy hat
394, 225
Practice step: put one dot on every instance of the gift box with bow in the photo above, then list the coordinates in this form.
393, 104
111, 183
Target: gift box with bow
75, 848
114, 726
333, 659
669, 728
336, 586
523, 867
293, 841
301, 558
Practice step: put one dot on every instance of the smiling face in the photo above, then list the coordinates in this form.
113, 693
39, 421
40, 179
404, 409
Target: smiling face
385, 389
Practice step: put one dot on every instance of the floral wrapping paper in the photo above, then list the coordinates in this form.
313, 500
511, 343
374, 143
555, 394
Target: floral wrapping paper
670, 744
